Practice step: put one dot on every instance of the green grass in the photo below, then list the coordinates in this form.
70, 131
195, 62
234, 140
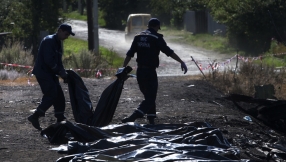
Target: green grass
273, 61
219, 44
206, 41
76, 16
112, 57
74, 46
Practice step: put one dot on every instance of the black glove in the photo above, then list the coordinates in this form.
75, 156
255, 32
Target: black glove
66, 80
64, 75
184, 67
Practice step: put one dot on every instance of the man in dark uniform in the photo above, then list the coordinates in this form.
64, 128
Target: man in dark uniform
48, 67
148, 45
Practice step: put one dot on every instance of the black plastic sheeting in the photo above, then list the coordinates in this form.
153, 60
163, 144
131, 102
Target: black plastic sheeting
82, 105
88, 140
79, 98
108, 101
135, 142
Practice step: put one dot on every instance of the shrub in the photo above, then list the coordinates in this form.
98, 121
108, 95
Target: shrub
249, 75
87, 62
17, 54
9, 75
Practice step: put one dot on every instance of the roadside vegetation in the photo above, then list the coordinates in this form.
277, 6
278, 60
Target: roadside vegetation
215, 43
77, 16
76, 57
247, 76
248, 35
14, 53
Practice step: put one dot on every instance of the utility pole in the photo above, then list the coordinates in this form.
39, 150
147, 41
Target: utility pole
65, 6
90, 37
79, 6
95, 27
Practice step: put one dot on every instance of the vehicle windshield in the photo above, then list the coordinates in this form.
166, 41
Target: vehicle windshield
137, 21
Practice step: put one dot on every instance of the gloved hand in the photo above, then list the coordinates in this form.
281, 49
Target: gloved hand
66, 80
64, 75
184, 67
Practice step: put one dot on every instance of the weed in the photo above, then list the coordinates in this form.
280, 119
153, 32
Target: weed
248, 76
9, 75
17, 54
86, 63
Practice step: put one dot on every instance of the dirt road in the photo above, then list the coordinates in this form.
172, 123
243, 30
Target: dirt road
114, 39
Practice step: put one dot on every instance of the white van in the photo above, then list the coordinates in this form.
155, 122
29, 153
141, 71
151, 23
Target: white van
135, 24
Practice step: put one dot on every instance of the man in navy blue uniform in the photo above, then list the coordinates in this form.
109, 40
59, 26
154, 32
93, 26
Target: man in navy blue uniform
148, 45
48, 67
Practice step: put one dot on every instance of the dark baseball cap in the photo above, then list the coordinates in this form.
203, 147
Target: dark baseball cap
66, 27
154, 22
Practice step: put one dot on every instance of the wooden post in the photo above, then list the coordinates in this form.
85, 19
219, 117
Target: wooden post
235, 67
79, 6
95, 27
198, 66
90, 38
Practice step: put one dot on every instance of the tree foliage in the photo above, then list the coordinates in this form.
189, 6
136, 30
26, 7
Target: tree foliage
14, 19
26, 18
172, 10
251, 23
116, 12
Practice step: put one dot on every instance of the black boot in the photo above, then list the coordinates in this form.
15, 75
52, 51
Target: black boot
151, 120
131, 118
60, 119
34, 119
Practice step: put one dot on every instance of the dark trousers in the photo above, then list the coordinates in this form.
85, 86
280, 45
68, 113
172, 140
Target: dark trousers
53, 96
148, 84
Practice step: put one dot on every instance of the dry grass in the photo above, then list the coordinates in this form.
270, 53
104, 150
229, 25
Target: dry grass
248, 76
16, 53
88, 62
241, 82
19, 81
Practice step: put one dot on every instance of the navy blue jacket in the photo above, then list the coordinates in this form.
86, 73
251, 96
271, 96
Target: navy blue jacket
49, 59
148, 45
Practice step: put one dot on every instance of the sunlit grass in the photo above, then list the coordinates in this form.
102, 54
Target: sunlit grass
247, 77
211, 42
75, 46
273, 61
112, 57
76, 16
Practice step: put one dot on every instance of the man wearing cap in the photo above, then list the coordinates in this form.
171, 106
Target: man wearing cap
47, 68
148, 45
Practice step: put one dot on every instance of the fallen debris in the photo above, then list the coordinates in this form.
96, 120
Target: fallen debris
271, 111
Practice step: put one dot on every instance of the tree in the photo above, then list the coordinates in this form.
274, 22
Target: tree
45, 16
116, 12
172, 10
14, 19
29, 17
251, 23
